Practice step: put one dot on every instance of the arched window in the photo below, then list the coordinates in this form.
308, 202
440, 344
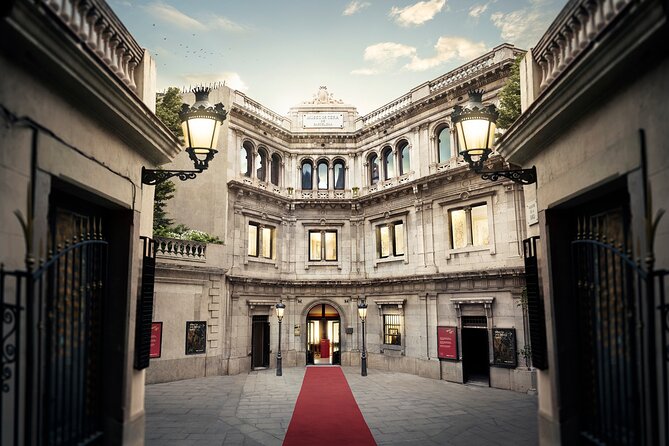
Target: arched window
307, 175
245, 158
373, 161
322, 173
276, 169
261, 165
388, 163
339, 174
405, 157
444, 141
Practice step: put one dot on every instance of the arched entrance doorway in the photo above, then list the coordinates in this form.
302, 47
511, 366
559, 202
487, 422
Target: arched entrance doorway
323, 334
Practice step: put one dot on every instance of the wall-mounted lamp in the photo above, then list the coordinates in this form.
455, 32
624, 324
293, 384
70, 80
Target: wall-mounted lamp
475, 125
201, 124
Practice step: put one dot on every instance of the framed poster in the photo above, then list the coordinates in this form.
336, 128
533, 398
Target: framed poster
504, 347
196, 337
447, 342
156, 339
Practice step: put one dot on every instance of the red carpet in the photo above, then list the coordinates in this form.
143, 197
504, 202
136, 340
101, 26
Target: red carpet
326, 412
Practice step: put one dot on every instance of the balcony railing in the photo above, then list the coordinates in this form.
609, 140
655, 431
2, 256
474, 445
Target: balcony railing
181, 249
100, 29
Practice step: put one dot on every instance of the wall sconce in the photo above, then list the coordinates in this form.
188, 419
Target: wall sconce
475, 125
201, 124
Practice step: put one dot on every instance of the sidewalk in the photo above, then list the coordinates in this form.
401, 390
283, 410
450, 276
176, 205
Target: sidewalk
400, 409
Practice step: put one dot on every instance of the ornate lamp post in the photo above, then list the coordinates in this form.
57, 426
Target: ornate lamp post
280, 307
475, 125
201, 124
362, 312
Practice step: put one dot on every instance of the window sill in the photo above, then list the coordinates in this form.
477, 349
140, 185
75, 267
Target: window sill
391, 260
326, 263
469, 249
261, 260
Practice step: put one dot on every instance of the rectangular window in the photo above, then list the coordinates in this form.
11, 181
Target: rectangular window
390, 239
469, 226
322, 245
392, 329
261, 241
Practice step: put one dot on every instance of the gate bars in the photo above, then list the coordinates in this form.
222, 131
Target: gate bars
51, 345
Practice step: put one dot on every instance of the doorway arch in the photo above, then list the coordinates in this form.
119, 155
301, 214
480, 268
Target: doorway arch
323, 335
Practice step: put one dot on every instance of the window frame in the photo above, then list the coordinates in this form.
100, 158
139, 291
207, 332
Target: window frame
323, 245
275, 171
458, 204
373, 245
335, 163
403, 146
441, 128
311, 180
320, 163
260, 237
247, 146
374, 160
388, 158
261, 164
398, 326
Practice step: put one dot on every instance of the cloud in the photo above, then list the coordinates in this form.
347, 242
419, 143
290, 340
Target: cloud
448, 48
354, 7
172, 15
220, 22
524, 27
231, 79
418, 13
387, 55
476, 10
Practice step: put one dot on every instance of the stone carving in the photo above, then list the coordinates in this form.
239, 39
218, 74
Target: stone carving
323, 97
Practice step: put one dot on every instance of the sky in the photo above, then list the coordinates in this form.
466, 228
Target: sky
367, 53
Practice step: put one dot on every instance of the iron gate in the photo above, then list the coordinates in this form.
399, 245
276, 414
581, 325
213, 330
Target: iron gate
616, 307
51, 344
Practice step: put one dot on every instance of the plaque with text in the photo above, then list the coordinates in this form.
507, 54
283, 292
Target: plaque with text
156, 339
323, 121
447, 342
504, 347
196, 337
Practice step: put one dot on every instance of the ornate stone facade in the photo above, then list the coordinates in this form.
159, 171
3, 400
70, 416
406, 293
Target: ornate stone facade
327, 207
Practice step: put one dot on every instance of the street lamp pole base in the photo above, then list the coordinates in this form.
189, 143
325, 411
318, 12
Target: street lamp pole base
279, 370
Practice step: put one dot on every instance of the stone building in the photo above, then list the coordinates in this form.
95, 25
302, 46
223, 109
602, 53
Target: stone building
77, 95
594, 93
323, 208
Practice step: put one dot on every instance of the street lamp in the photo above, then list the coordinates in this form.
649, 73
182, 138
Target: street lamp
362, 312
280, 307
475, 125
201, 124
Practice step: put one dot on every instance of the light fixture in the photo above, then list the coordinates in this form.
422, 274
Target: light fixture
475, 126
201, 123
362, 313
280, 307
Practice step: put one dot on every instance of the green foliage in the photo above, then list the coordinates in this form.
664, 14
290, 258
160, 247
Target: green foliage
183, 232
164, 192
509, 98
167, 109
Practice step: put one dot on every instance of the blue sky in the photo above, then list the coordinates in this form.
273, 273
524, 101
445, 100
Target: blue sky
366, 52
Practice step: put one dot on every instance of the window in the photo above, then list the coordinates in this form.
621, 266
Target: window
469, 226
276, 168
388, 164
444, 141
322, 175
307, 171
392, 329
373, 169
405, 158
390, 239
339, 175
322, 245
245, 157
261, 241
261, 165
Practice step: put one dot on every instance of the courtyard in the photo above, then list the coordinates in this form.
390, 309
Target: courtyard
399, 408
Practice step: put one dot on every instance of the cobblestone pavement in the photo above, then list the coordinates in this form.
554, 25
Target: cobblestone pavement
400, 409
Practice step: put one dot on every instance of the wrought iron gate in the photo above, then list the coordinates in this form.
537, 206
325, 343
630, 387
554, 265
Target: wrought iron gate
616, 307
51, 344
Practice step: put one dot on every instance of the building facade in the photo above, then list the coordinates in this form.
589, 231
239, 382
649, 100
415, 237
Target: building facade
322, 209
77, 95
594, 95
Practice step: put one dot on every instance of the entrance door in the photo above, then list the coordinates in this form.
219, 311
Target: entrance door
260, 342
323, 334
475, 359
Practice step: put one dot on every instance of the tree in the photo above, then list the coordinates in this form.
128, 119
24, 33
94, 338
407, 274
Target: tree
509, 97
167, 109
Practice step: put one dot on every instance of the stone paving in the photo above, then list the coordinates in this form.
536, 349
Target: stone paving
400, 409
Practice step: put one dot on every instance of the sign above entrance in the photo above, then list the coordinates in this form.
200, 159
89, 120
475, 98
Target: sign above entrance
323, 121
447, 339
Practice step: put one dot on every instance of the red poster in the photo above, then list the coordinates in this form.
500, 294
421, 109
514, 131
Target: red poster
156, 339
447, 338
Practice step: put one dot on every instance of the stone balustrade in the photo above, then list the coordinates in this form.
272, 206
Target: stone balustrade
263, 112
181, 249
100, 30
572, 33
458, 75
387, 110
